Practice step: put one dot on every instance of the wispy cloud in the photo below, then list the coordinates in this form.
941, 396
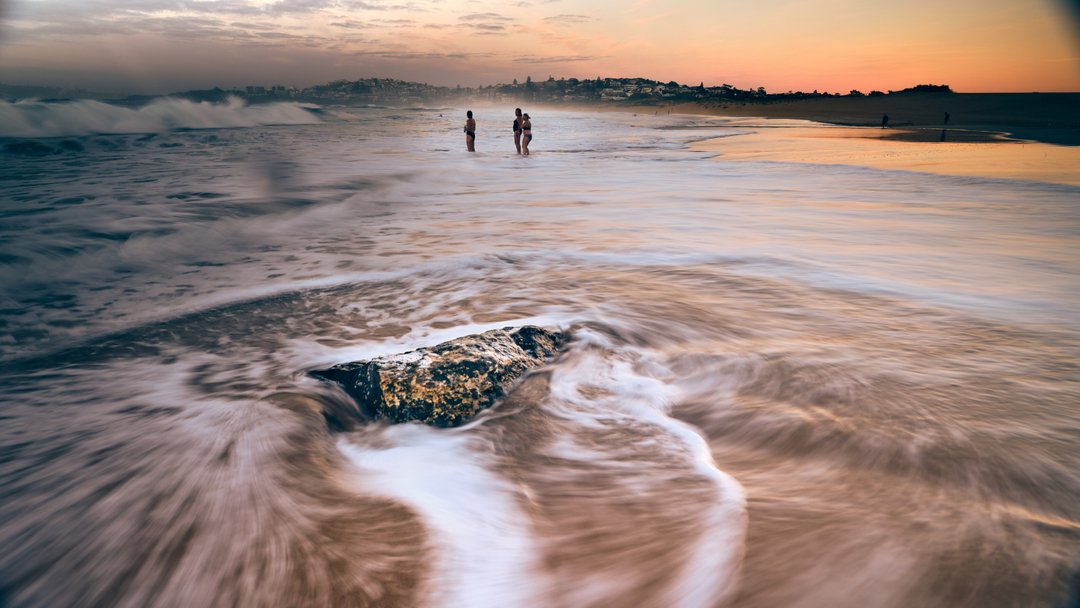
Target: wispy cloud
554, 59
423, 56
349, 24
299, 6
486, 24
375, 6
567, 18
393, 22
486, 28
485, 17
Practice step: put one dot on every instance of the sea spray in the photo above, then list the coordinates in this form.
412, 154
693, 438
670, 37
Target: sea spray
35, 119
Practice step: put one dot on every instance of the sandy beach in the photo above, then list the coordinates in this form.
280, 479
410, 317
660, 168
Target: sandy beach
1027, 136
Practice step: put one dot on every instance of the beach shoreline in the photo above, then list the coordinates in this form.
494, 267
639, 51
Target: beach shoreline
859, 147
1049, 118
1025, 136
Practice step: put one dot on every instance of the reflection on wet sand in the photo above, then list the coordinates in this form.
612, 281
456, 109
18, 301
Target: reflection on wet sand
933, 150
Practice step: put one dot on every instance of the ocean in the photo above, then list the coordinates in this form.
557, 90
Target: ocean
790, 384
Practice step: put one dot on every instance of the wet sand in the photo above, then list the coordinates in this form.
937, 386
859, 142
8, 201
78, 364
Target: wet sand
945, 152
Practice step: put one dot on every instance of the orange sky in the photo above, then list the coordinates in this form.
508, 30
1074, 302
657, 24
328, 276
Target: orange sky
829, 45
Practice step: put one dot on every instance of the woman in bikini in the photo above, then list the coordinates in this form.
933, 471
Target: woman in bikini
470, 132
526, 132
517, 129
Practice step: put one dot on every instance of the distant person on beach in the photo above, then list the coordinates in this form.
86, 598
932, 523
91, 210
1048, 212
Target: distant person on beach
470, 132
946, 118
884, 121
526, 132
517, 129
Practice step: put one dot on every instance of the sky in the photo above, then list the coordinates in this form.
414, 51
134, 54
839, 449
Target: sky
160, 46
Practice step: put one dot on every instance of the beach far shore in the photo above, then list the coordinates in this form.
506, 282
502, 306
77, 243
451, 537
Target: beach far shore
1030, 136
1045, 117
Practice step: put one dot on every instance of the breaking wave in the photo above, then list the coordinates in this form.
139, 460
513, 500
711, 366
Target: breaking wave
32, 119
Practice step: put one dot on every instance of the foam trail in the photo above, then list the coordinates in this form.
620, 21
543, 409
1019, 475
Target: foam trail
486, 556
633, 386
33, 119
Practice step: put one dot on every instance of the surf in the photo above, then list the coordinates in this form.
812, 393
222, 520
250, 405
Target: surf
40, 119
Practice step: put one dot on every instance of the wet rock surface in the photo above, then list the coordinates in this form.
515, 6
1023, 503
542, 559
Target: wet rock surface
447, 384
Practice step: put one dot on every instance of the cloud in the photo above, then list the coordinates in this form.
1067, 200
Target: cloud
486, 24
415, 55
486, 28
372, 6
349, 24
177, 27
568, 19
226, 7
485, 17
299, 6
250, 25
554, 59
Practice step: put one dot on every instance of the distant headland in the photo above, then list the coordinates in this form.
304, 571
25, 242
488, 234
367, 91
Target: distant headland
632, 91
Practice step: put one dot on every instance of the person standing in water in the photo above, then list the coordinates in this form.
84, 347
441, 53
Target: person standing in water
470, 132
884, 121
526, 132
517, 129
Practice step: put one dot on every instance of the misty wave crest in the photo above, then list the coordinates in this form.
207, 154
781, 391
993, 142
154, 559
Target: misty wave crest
87, 117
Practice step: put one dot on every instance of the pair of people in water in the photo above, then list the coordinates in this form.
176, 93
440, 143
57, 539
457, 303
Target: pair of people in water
522, 132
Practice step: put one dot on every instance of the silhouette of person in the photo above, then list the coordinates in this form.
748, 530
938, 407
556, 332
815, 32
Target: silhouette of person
946, 118
884, 121
470, 132
517, 129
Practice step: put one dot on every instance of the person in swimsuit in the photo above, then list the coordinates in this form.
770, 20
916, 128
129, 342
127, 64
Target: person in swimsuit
526, 132
517, 129
470, 132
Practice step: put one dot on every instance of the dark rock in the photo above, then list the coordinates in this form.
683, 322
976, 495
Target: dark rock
447, 384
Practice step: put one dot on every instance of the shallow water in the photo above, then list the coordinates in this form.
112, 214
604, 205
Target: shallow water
790, 385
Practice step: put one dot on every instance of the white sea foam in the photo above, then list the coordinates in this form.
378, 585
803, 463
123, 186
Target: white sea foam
421, 336
84, 117
485, 554
633, 385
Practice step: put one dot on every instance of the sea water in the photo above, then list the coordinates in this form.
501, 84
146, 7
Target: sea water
790, 384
